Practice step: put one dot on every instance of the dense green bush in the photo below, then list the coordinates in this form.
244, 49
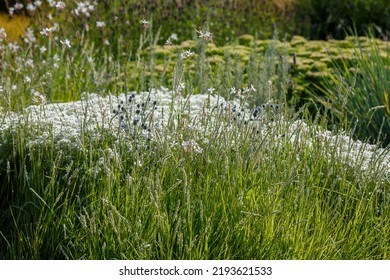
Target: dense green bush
323, 19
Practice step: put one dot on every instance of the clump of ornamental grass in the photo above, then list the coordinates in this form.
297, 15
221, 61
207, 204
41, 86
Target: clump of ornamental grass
359, 93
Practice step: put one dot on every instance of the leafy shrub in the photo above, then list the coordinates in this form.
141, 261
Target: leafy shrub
332, 18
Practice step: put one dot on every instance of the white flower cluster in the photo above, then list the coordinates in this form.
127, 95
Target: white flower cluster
207, 113
67, 121
3, 34
354, 153
85, 8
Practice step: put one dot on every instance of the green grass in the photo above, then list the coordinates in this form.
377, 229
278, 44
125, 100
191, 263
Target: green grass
358, 91
273, 189
246, 196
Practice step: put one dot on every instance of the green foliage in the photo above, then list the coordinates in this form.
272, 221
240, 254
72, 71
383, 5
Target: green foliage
324, 19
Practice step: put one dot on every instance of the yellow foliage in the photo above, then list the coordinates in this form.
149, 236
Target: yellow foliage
15, 26
387, 103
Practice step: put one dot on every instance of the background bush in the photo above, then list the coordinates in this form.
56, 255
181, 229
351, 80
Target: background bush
323, 19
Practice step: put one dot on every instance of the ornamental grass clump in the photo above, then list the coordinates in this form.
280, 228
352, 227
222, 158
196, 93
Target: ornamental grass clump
358, 93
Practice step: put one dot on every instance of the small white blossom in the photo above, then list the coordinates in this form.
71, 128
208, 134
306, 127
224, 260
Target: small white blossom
3, 34
84, 8
31, 7
144, 23
38, 3
14, 87
48, 31
38, 97
211, 90
51, 3
179, 87
42, 49
168, 42
192, 146
206, 35
30, 63
60, 5
101, 24
27, 79
187, 54
13, 47
29, 36
252, 88
65, 43
18, 6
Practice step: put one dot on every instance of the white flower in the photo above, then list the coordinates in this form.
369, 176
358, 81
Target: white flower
42, 49
14, 47
250, 89
14, 87
29, 36
3, 34
180, 87
38, 98
18, 6
31, 7
27, 79
56, 57
52, 3
100, 24
186, 54
37, 3
1, 88
48, 31
207, 35
60, 5
84, 8
144, 23
65, 43
211, 90
192, 146
30, 63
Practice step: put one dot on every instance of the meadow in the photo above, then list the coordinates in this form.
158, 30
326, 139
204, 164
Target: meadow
197, 145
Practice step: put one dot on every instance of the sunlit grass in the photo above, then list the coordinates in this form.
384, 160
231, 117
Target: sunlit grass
205, 161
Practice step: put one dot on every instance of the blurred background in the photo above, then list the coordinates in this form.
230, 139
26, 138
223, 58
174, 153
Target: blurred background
313, 19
